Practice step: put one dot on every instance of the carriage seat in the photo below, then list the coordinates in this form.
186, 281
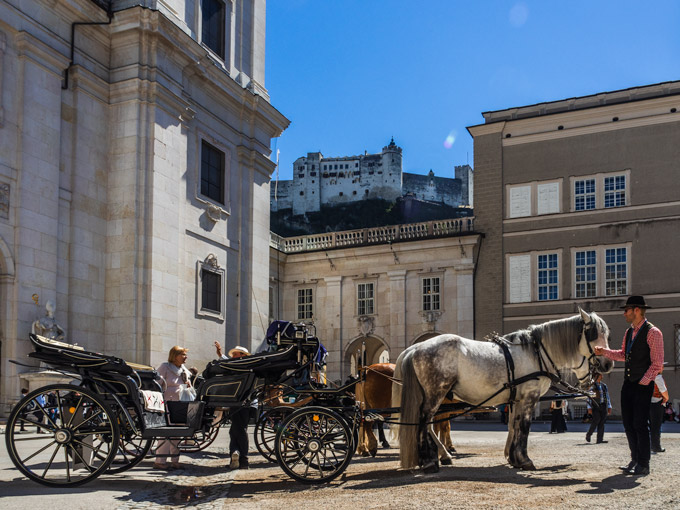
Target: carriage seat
62, 354
260, 363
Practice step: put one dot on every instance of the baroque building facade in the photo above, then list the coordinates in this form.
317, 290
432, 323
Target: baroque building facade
371, 293
578, 200
134, 174
319, 181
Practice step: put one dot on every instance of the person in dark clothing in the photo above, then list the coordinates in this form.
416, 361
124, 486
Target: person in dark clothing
599, 408
238, 431
657, 410
642, 352
558, 424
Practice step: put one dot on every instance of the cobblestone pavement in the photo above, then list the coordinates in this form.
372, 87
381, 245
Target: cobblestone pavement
203, 483
572, 474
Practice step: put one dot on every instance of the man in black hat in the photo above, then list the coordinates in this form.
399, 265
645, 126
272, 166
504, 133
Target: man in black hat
642, 351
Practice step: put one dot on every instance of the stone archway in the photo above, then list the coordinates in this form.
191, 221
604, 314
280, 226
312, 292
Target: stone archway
371, 348
425, 336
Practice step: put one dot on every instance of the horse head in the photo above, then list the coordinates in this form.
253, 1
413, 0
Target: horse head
594, 333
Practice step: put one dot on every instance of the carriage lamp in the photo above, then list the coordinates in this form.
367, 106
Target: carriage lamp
315, 417
72, 410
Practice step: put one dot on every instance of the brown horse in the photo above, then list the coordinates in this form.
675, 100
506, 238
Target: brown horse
374, 391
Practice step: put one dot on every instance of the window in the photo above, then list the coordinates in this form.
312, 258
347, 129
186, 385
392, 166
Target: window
365, 299
212, 33
616, 272
533, 276
532, 199
615, 191
211, 291
584, 195
305, 309
212, 172
590, 263
600, 191
210, 286
547, 277
586, 274
431, 296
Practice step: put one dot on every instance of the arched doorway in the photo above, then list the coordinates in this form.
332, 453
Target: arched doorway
364, 351
425, 336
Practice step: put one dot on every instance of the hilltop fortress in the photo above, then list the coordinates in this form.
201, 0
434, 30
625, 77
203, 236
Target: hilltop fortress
321, 181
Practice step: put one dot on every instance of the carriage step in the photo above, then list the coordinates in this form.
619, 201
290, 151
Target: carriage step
168, 432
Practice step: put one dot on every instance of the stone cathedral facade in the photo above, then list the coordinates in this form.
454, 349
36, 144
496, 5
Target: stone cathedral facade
134, 176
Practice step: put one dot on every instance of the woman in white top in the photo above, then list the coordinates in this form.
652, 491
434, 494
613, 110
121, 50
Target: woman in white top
175, 375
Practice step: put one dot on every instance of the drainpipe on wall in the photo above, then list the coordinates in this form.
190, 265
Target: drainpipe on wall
109, 13
474, 283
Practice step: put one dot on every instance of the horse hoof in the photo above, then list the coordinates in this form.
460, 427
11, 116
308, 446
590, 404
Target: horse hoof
432, 467
529, 466
365, 454
386, 445
452, 450
447, 462
373, 452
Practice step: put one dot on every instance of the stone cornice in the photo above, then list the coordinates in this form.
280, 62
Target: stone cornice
486, 129
34, 49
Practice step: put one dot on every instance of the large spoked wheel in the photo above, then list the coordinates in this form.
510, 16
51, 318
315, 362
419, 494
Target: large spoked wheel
266, 428
200, 440
132, 448
314, 445
78, 439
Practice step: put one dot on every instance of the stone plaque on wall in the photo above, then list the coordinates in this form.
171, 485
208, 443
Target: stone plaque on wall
4, 200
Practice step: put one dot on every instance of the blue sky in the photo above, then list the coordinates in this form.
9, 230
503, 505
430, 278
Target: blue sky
350, 74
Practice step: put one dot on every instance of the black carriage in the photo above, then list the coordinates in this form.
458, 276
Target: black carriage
107, 418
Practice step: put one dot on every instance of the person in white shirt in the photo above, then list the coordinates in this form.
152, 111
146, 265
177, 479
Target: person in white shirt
656, 411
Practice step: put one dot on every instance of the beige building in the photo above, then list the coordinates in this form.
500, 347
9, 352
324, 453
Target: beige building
134, 176
376, 291
579, 202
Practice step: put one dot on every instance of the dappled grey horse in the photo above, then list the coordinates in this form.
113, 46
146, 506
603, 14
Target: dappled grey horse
517, 369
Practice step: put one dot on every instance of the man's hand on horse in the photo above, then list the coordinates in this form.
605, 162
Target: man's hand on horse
598, 350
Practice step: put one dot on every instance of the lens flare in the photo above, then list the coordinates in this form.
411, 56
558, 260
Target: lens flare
450, 140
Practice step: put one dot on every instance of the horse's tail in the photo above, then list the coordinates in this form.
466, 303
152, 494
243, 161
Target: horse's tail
396, 397
410, 405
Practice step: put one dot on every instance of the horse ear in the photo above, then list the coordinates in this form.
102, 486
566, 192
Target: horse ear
584, 316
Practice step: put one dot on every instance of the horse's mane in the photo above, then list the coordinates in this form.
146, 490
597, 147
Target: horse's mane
562, 336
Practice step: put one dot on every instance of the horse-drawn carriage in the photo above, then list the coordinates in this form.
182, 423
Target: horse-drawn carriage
107, 418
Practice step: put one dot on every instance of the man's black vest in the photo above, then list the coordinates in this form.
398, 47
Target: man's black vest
639, 359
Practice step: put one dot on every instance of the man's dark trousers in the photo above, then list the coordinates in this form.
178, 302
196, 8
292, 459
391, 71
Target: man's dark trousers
599, 417
238, 433
656, 412
635, 402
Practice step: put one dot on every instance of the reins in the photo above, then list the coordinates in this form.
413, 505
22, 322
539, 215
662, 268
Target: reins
544, 371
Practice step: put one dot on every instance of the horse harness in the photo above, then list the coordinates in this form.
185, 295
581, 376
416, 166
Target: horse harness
543, 371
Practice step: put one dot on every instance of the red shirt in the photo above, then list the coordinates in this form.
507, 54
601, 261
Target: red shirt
655, 342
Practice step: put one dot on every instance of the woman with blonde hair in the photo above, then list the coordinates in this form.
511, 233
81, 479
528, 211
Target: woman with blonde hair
175, 377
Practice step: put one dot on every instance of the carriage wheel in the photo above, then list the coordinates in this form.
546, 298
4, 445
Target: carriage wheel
78, 439
268, 424
200, 440
132, 448
314, 445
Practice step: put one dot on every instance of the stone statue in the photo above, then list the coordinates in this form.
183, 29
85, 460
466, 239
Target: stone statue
47, 326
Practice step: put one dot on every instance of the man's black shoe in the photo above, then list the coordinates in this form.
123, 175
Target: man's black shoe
631, 465
587, 438
639, 470
602, 442
658, 450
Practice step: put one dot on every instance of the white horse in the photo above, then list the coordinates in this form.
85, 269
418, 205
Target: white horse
477, 370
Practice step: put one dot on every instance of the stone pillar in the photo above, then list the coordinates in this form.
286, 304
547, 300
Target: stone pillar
397, 333
332, 334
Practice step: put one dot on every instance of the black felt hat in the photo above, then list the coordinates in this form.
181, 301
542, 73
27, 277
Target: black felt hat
636, 302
